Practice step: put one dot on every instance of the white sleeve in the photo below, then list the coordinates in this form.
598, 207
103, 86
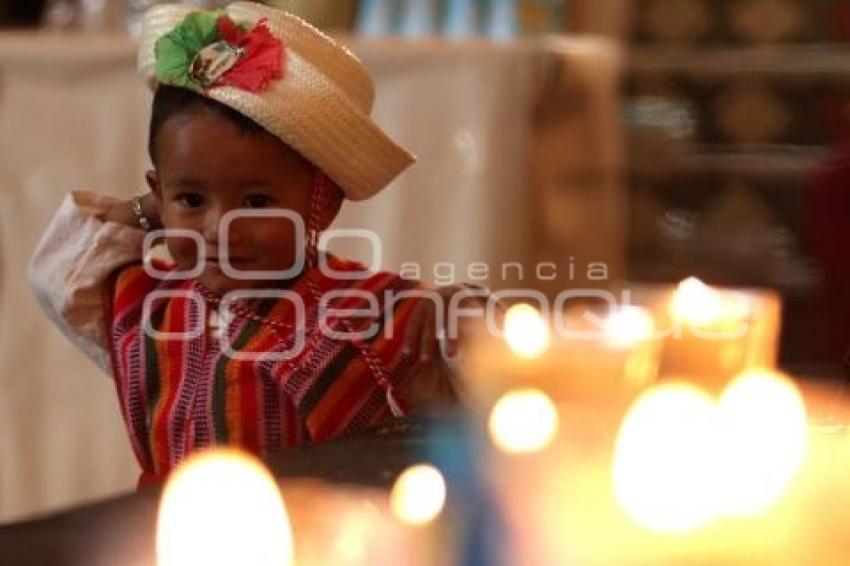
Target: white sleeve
75, 257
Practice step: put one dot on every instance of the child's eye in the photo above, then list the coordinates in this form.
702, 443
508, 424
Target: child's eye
190, 200
257, 201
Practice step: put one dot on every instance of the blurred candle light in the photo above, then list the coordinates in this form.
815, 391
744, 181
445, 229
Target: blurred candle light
703, 308
695, 302
665, 459
523, 421
584, 356
223, 507
526, 332
764, 437
717, 333
357, 526
682, 459
418, 495
628, 326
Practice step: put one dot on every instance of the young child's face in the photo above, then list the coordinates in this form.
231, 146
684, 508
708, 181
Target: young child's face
205, 168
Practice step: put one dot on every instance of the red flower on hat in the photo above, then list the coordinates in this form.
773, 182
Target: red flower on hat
262, 58
262, 55
208, 49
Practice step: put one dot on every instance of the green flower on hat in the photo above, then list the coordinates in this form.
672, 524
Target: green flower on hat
209, 50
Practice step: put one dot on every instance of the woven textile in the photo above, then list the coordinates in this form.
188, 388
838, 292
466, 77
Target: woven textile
182, 394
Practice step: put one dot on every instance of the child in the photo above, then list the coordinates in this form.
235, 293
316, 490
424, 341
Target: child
255, 113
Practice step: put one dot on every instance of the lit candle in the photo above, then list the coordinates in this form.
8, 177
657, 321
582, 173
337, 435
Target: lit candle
686, 477
764, 438
584, 357
523, 420
222, 507
715, 334
740, 452
526, 332
690, 478
418, 494
580, 371
665, 459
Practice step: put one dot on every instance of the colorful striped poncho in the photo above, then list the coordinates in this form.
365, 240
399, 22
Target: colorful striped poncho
182, 388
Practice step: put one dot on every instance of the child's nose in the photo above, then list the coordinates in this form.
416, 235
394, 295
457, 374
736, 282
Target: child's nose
220, 226
212, 221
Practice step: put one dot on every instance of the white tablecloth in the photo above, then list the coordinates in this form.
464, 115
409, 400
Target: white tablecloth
519, 158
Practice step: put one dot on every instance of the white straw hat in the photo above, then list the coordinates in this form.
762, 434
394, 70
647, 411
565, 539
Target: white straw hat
320, 106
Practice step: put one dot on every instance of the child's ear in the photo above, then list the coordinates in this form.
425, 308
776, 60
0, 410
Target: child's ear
153, 183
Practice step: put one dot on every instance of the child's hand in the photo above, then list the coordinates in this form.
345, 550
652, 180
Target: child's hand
422, 334
122, 212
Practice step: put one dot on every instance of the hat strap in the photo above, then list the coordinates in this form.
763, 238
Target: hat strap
324, 203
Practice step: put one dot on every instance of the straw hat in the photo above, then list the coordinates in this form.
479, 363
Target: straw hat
320, 106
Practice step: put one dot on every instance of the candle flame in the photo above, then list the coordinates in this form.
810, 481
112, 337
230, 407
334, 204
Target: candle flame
526, 332
522, 421
765, 439
664, 458
682, 460
696, 302
698, 305
222, 507
418, 495
629, 325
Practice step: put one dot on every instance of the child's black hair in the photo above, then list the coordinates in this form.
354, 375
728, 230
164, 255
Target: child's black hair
169, 101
